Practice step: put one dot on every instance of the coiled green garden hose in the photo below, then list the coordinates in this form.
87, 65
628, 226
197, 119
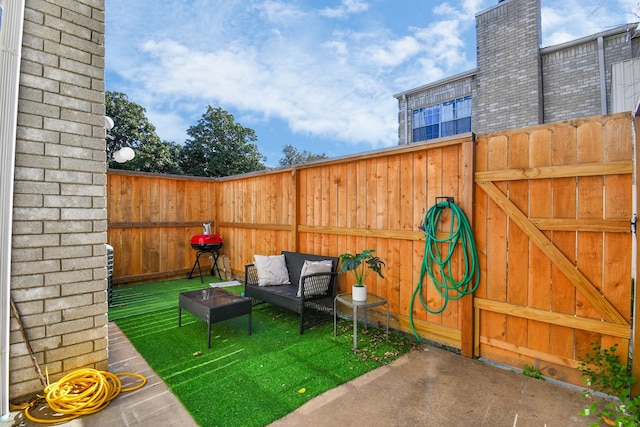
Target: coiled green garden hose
444, 281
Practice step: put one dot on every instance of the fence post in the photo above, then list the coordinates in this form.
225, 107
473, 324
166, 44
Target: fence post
466, 203
635, 335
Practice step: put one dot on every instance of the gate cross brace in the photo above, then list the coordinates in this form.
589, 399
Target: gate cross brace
582, 283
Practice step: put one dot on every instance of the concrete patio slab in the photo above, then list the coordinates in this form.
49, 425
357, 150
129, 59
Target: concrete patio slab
427, 387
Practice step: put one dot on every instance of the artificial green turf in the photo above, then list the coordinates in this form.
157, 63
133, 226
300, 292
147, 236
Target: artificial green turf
253, 380
138, 299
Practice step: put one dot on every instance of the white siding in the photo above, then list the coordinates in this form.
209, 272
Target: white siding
625, 85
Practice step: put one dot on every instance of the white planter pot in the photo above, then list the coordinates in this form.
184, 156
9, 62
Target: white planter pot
359, 293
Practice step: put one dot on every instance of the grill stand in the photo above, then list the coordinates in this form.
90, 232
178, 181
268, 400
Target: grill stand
215, 253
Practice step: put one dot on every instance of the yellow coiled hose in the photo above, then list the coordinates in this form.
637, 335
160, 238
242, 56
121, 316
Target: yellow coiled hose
83, 392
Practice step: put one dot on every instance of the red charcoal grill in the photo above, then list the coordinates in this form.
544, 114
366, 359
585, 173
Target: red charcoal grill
206, 244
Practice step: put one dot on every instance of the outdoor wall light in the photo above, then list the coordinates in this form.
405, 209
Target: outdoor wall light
117, 144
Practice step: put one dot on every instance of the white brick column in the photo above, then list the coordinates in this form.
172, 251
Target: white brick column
59, 215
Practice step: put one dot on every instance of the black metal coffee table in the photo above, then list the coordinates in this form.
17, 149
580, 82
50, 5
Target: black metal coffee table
213, 305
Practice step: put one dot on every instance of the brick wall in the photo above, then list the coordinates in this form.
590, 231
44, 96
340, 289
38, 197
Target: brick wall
509, 80
59, 217
572, 78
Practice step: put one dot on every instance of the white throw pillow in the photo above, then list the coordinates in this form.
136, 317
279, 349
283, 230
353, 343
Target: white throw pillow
272, 270
311, 267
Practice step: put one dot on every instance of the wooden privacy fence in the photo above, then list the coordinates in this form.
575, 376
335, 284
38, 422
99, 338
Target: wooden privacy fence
549, 205
151, 219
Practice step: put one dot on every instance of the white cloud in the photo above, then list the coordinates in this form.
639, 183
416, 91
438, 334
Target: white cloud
170, 126
568, 20
347, 7
297, 90
394, 52
281, 12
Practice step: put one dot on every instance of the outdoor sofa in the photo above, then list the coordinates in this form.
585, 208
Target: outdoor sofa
308, 293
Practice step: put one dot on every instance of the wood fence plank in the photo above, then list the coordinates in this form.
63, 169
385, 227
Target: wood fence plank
419, 207
466, 193
618, 139
434, 188
497, 247
303, 204
407, 220
617, 247
393, 274
451, 158
319, 215
518, 255
373, 182
383, 179
590, 241
361, 194
293, 219
333, 201
540, 196
339, 181
351, 191
393, 193
274, 197
380, 285
563, 293
480, 234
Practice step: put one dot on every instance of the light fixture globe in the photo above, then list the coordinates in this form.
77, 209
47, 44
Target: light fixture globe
127, 153
108, 123
118, 157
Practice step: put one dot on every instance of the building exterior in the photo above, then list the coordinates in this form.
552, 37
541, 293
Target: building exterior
53, 193
517, 83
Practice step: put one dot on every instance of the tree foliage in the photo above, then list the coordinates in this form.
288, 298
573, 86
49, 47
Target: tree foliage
293, 157
220, 147
131, 125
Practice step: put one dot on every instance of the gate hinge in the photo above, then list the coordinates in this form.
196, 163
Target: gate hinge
634, 221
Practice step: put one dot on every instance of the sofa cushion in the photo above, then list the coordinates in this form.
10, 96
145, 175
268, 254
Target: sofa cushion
271, 270
311, 267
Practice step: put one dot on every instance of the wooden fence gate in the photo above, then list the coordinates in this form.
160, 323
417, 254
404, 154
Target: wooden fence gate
552, 223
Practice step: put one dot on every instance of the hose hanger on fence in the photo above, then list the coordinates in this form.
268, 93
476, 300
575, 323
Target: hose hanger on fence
440, 261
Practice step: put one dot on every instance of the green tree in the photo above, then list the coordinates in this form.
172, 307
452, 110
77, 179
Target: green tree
220, 147
293, 157
132, 126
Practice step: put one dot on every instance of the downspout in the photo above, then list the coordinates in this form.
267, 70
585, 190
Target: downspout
603, 76
11, 25
406, 118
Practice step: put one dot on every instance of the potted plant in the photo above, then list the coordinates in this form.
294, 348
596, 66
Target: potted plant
361, 265
604, 372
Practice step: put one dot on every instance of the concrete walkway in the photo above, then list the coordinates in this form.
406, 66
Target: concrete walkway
433, 387
152, 405
427, 387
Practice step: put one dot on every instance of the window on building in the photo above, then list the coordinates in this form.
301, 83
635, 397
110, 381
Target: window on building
446, 119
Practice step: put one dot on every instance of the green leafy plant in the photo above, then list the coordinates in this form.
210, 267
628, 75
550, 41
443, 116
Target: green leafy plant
530, 371
361, 265
602, 371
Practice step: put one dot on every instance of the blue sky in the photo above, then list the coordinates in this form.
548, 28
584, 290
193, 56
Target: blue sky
316, 74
